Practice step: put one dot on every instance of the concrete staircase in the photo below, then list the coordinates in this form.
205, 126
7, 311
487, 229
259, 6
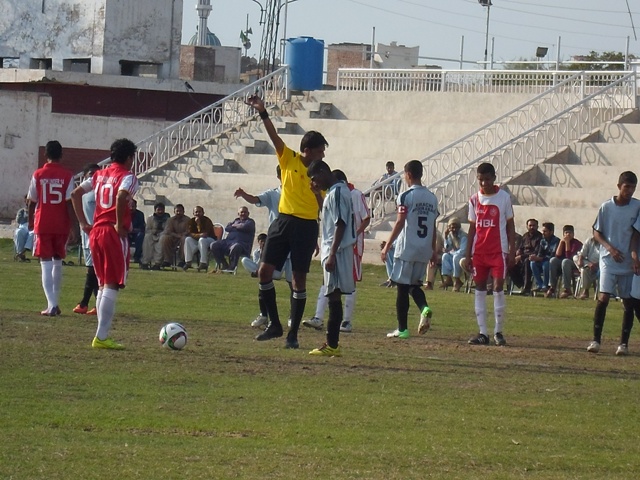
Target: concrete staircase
364, 132
570, 186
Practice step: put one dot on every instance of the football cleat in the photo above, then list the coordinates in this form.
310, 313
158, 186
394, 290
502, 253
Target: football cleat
425, 320
107, 343
272, 331
622, 350
479, 339
259, 321
499, 339
327, 351
398, 334
346, 327
80, 309
594, 347
314, 322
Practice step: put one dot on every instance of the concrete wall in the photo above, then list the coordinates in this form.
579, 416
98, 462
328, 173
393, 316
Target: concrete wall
102, 31
27, 123
143, 31
24, 118
229, 58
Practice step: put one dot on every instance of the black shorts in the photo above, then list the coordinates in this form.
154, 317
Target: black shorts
291, 235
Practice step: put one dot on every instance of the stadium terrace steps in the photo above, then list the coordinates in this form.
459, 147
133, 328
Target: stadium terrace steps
364, 134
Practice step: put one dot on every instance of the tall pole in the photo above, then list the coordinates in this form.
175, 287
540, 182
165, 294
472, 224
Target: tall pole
486, 37
373, 46
284, 31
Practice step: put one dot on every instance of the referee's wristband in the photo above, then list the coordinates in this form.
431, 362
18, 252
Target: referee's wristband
264, 114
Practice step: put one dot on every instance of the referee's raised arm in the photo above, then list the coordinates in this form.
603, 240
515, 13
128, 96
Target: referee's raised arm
257, 103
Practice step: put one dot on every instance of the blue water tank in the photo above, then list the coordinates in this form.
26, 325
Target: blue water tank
305, 57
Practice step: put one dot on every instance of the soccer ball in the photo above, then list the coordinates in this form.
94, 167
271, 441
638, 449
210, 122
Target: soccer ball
174, 336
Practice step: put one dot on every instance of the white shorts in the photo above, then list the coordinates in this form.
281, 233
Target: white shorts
342, 277
408, 273
609, 282
357, 266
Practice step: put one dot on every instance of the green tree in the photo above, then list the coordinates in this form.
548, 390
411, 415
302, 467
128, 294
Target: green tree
520, 64
605, 57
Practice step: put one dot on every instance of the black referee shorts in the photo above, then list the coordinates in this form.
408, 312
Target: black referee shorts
291, 235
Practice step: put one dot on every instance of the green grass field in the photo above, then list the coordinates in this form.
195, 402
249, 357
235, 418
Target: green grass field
230, 407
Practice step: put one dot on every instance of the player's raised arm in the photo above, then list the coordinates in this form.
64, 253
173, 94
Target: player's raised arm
257, 103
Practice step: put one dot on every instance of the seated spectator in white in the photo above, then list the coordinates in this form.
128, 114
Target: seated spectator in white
251, 264
22, 237
237, 243
587, 260
391, 189
201, 235
455, 245
563, 263
432, 267
175, 232
152, 245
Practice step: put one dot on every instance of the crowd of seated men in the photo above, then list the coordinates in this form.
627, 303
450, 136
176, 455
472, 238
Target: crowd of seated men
545, 264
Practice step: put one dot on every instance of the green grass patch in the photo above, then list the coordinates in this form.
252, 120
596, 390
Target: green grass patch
230, 407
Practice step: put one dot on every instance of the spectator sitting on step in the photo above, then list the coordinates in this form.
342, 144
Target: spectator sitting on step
545, 252
520, 273
22, 237
152, 245
201, 235
136, 235
432, 267
455, 245
175, 231
563, 263
237, 243
390, 189
587, 260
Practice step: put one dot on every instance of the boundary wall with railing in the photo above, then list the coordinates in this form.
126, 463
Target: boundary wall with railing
519, 139
472, 81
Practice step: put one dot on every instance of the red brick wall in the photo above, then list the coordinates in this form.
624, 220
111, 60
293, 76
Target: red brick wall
346, 56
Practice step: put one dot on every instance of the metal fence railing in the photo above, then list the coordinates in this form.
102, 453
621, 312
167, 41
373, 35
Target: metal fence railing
516, 141
473, 81
204, 125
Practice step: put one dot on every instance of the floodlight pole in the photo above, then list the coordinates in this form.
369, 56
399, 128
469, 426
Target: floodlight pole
486, 3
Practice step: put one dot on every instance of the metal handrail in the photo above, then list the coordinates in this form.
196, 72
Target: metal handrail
495, 136
208, 123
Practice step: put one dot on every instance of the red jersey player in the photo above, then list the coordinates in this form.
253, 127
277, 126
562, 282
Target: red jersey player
50, 217
490, 249
114, 188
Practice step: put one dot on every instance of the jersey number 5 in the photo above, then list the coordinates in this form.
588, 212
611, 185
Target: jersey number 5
423, 229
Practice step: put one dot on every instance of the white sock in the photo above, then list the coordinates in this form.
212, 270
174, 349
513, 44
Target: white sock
98, 298
106, 310
47, 282
349, 305
499, 307
322, 303
56, 275
481, 310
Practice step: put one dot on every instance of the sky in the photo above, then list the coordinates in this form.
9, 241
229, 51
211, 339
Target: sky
437, 27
